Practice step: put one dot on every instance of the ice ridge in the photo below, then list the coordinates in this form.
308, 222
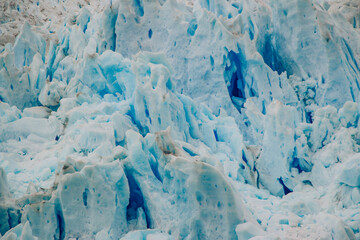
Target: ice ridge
166, 119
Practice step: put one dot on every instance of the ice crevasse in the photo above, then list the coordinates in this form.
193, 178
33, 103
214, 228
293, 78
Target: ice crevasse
166, 119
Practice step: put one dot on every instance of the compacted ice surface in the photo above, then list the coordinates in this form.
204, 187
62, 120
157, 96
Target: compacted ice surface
179, 119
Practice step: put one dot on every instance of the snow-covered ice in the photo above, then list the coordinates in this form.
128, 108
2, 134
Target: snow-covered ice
172, 119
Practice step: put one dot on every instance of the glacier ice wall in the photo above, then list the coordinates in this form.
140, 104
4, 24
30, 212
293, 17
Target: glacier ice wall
168, 119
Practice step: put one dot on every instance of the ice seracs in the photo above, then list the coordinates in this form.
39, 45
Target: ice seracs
179, 120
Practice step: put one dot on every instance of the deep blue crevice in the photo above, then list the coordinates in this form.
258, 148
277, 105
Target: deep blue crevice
49, 74
138, 7
263, 110
307, 182
142, 130
60, 231
301, 165
270, 55
237, 83
286, 189
192, 27
189, 151
113, 39
325, 137
351, 56
86, 25
212, 63
355, 68
14, 217
252, 93
216, 135
104, 91
65, 49
85, 197
120, 143
322, 80
244, 157
53, 53
352, 94
235, 5
308, 117
147, 113
251, 29
234, 74
154, 165
109, 29
25, 58
136, 199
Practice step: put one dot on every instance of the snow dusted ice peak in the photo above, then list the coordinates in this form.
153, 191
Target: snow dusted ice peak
45, 16
167, 119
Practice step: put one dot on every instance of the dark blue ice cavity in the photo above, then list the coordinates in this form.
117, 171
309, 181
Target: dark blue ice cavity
237, 81
138, 7
270, 55
136, 199
286, 189
60, 231
192, 27
85, 197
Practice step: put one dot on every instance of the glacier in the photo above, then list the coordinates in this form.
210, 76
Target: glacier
179, 119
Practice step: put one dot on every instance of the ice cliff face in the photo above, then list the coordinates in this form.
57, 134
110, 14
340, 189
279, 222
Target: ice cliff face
167, 119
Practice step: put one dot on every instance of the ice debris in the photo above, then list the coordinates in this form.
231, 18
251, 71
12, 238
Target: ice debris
179, 120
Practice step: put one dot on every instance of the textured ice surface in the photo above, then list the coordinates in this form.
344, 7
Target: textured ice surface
168, 119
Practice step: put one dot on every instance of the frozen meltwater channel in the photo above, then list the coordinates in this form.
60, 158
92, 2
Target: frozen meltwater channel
179, 119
